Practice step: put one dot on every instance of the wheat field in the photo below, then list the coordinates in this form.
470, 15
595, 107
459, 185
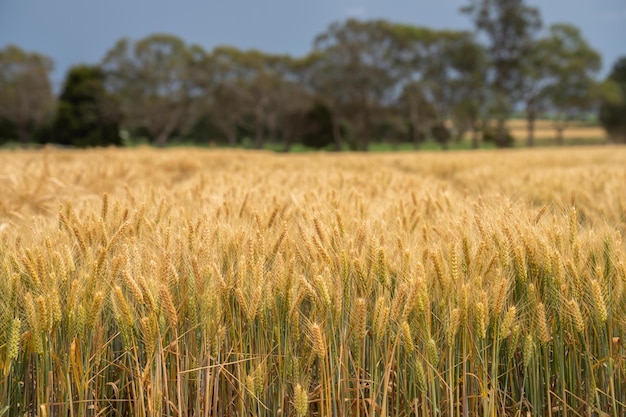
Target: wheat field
545, 132
178, 282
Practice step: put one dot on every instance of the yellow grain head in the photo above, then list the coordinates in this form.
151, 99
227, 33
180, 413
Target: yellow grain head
414, 287
528, 349
406, 337
146, 292
29, 264
255, 306
82, 243
454, 264
259, 379
600, 310
60, 267
123, 308
43, 316
513, 342
575, 316
320, 231
300, 401
500, 292
148, 335
437, 259
318, 342
322, 291
480, 322
576, 253
432, 352
621, 281
398, 304
42, 266
292, 364
467, 256
168, 305
381, 317
13, 342
381, 268
55, 307
543, 329
454, 321
105, 207
531, 293
573, 224
464, 301
249, 381
508, 321
358, 319
35, 324
531, 254
133, 287
420, 376
520, 265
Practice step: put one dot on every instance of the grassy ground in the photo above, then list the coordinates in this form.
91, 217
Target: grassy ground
185, 282
577, 133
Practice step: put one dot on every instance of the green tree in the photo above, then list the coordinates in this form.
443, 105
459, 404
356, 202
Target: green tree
245, 90
441, 74
216, 76
317, 78
421, 113
354, 73
613, 105
291, 102
26, 98
318, 127
510, 28
560, 78
571, 65
261, 85
87, 115
152, 79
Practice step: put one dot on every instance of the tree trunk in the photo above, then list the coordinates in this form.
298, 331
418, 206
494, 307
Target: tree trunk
24, 135
231, 136
530, 118
559, 135
414, 115
163, 133
161, 139
272, 127
474, 136
415, 133
287, 144
259, 128
501, 133
365, 143
336, 132
259, 139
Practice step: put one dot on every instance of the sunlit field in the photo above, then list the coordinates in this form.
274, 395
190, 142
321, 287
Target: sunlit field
140, 282
576, 131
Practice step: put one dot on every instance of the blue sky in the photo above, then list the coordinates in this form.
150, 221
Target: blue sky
81, 31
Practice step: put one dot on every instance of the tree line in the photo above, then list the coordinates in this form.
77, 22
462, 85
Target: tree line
362, 82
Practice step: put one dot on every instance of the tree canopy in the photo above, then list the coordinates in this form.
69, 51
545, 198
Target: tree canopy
87, 115
613, 107
26, 98
363, 81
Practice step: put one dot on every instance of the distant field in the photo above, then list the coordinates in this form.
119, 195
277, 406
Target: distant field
544, 131
185, 282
